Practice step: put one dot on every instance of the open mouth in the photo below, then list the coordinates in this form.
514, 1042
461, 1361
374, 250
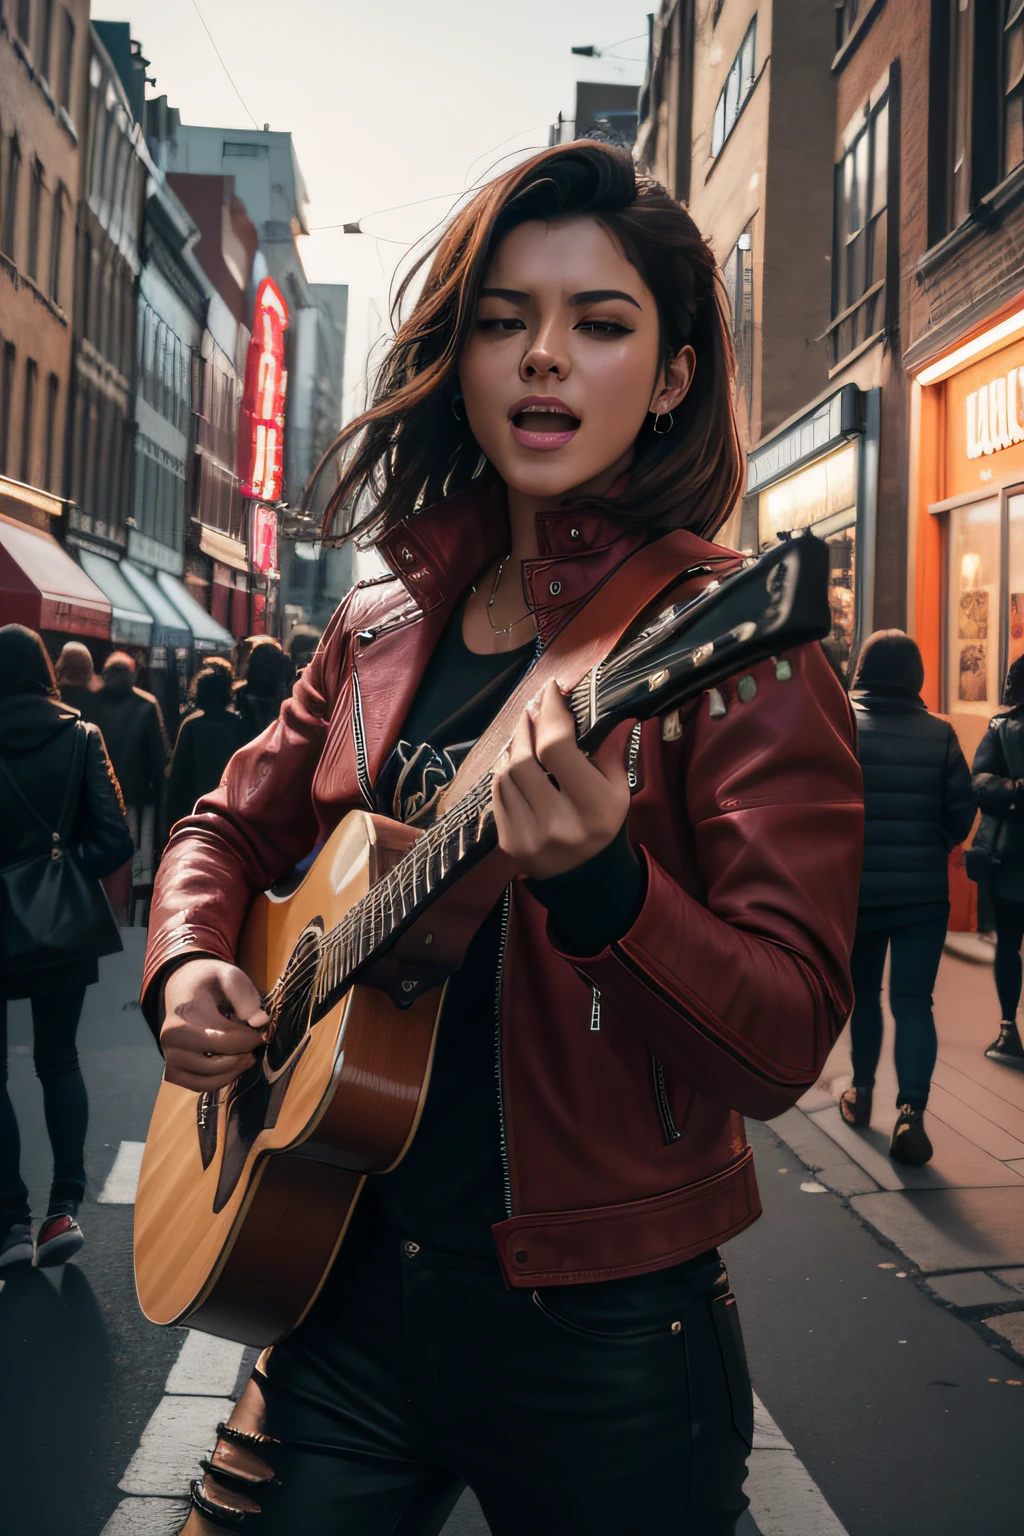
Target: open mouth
543, 424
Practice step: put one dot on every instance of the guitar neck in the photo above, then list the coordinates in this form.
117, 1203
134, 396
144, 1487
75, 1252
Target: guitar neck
774, 603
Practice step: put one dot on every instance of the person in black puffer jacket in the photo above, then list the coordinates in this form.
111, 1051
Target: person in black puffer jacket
998, 783
918, 805
41, 756
207, 738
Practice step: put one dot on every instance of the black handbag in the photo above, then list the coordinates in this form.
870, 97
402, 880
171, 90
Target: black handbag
51, 911
984, 856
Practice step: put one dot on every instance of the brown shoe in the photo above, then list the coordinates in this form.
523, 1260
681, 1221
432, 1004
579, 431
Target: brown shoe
855, 1106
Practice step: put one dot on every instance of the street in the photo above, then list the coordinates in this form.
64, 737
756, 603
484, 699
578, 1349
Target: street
885, 1404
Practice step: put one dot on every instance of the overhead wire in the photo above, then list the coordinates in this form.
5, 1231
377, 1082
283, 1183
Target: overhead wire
223, 66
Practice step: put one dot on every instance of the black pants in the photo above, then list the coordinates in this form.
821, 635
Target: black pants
1009, 916
55, 1017
916, 949
587, 1410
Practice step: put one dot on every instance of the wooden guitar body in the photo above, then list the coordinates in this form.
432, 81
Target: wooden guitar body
228, 1237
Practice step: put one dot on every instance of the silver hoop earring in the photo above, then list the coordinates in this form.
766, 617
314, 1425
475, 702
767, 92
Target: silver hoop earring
456, 402
663, 431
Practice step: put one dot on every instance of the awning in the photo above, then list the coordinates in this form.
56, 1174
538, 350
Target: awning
169, 628
207, 633
41, 586
130, 621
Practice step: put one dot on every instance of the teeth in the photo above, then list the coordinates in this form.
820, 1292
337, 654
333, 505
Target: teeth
541, 410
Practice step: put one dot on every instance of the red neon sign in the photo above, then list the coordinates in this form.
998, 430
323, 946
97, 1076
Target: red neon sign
261, 425
264, 539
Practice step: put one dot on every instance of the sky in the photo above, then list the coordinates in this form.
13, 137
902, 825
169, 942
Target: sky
389, 102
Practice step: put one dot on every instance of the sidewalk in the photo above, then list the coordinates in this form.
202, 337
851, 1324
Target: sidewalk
959, 1222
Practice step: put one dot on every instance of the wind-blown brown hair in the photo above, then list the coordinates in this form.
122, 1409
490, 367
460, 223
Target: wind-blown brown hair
409, 449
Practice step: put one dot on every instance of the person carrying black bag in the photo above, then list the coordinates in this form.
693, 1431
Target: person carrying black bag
62, 828
917, 807
997, 854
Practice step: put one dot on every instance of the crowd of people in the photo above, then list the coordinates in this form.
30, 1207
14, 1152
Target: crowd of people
113, 804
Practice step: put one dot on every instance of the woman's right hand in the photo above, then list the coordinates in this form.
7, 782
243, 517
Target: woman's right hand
213, 1021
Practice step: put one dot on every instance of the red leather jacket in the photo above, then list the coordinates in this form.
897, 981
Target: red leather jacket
624, 1143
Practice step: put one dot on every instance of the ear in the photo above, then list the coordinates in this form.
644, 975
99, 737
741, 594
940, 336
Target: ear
674, 381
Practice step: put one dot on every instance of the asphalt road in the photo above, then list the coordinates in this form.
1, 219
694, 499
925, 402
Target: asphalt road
887, 1398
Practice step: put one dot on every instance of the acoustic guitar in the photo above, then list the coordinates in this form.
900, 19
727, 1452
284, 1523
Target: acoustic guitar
245, 1194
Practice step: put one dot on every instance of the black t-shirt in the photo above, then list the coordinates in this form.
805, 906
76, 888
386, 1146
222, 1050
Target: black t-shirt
448, 1189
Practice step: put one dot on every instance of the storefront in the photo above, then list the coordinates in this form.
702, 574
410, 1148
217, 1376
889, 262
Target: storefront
969, 567
818, 473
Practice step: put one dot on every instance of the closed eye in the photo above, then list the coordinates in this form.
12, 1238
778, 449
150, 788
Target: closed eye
503, 323
604, 328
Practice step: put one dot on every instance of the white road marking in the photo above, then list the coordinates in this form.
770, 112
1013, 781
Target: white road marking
206, 1367
123, 1178
784, 1498
181, 1431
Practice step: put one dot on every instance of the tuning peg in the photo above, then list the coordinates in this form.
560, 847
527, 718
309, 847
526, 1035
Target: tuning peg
783, 670
746, 689
671, 726
716, 704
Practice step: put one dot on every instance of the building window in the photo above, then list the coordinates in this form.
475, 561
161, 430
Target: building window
28, 420
847, 16
1012, 135
738, 86
67, 56
6, 393
23, 20
7, 233
56, 240
49, 469
859, 231
738, 275
35, 210
45, 37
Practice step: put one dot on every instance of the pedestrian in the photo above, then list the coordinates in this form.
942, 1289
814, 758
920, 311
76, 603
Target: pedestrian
268, 676
917, 807
533, 1300
76, 677
301, 646
998, 783
62, 827
133, 729
206, 740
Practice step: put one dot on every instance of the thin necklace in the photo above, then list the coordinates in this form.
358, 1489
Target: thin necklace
490, 601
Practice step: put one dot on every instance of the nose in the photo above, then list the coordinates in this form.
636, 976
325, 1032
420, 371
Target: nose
545, 355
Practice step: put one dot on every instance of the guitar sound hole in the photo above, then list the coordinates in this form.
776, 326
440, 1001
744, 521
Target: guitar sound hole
292, 1015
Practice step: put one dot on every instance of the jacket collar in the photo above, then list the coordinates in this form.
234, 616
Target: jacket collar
891, 701
437, 552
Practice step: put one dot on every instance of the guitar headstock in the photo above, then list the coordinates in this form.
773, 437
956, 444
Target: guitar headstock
770, 605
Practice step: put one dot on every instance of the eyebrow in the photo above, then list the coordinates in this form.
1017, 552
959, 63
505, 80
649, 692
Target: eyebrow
590, 296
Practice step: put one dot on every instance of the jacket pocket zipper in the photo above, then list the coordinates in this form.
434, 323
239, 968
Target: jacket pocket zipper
632, 777
668, 1124
359, 737
595, 1008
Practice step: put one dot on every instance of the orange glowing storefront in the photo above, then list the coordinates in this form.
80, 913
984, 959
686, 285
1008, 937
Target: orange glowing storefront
966, 533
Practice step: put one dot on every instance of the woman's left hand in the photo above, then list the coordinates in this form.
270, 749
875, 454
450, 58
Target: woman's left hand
550, 827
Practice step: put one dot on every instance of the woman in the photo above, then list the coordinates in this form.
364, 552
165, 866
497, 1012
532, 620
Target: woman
917, 807
259, 695
76, 676
998, 783
43, 768
207, 738
533, 1301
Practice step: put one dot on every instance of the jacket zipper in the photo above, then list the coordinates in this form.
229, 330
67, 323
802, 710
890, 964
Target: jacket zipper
632, 776
668, 1124
359, 736
595, 1008
506, 1177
